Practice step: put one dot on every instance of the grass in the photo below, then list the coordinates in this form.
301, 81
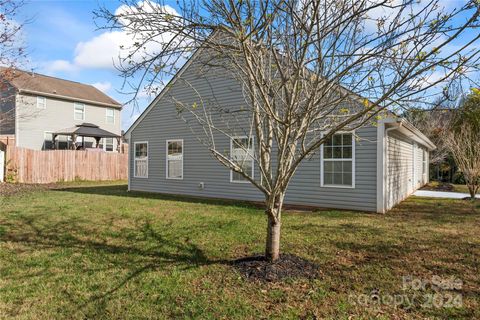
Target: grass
96, 251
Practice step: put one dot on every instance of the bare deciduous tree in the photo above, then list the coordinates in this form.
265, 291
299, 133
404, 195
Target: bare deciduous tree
464, 144
12, 54
463, 139
307, 69
434, 123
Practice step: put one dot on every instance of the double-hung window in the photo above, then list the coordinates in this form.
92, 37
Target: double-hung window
78, 111
174, 159
338, 161
141, 160
241, 151
108, 144
41, 102
110, 116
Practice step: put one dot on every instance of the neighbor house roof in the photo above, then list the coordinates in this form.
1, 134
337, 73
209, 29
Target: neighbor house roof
87, 130
39, 84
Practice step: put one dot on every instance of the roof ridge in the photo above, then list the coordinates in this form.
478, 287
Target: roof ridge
52, 77
25, 80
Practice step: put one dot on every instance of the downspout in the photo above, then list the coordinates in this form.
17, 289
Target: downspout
129, 166
396, 125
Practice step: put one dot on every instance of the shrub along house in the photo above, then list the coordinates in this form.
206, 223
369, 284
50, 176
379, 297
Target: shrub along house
41, 109
372, 169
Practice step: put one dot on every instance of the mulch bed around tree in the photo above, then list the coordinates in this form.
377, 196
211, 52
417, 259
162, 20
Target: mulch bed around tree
441, 186
10, 189
257, 268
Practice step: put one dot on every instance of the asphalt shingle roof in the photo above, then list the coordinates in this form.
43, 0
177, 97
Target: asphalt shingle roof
63, 89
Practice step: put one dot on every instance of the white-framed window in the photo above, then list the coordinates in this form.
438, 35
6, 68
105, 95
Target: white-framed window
174, 161
242, 151
47, 140
41, 102
78, 111
141, 159
338, 161
63, 142
108, 144
110, 116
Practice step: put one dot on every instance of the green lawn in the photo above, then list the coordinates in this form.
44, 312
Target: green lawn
92, 251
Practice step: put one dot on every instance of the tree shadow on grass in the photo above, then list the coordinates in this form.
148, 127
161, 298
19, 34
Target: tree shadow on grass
121, 191
74, 236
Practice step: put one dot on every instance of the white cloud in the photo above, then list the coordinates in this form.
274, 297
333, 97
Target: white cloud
59, 66
392, 9
106, 50
102, 51
103, 86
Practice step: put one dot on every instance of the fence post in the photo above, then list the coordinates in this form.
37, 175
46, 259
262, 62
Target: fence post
2, 166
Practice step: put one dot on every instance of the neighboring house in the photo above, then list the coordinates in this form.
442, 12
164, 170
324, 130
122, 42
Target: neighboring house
385, 165
35, 106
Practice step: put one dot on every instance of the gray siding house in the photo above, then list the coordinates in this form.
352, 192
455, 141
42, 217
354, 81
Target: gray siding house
39, 105
384, 166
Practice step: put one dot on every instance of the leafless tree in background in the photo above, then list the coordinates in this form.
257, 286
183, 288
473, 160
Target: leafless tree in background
12, 55
463, 139
434, 123
464, 143
307, 68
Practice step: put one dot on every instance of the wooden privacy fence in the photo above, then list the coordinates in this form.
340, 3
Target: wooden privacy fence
32, 166
7, 139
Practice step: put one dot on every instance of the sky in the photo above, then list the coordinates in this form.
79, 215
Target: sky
63, 40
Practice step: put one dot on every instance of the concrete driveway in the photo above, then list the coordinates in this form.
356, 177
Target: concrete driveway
442, 194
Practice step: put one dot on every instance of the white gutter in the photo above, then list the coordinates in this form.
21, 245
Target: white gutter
418, 136
52, 95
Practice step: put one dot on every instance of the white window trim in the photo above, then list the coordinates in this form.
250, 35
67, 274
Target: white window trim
322, 184
104, 145
44, 104
45, 133
107, 116
75, 111
166, 158
62, 138
253, 162
135, 158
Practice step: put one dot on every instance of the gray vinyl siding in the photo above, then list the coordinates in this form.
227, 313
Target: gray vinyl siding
162, 123
306, 188
32, 122
7, 110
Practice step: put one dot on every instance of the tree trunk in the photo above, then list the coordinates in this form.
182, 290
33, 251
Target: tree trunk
272, 250
473, 190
